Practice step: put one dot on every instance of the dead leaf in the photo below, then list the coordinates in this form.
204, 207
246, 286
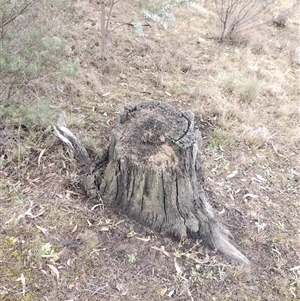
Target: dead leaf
184, 289
72, 192
250, 195
295, 268
40, 156
143, 239
294, 172
29, 213
162, 250
104, 228
95, 206
163, 291
42, 211
233, 174
43, 230
36, 180
122, 289
177, 267
13, 220
70, 243
74, 229
222, 211
54, 271
259, 177
220, 157
22, 279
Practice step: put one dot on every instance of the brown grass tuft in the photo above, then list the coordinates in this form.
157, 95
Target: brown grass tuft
257, 137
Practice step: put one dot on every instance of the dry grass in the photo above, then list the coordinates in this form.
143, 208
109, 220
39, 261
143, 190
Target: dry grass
245, 95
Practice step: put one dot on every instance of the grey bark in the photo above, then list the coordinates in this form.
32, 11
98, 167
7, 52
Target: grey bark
154, 176
153, 173
72, 143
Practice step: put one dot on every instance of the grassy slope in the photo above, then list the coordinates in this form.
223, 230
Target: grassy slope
245, 98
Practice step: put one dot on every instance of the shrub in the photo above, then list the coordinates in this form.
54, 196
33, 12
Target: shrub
241, 15
161, 12
32, 56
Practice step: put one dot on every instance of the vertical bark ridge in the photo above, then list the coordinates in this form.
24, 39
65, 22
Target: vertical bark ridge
154, 175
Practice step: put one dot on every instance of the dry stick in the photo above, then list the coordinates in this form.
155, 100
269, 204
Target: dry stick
96, 291
122, 24
112, 3
243, 19
10, 87
104, 25
14, 16
72, 143
142, 270
219, 236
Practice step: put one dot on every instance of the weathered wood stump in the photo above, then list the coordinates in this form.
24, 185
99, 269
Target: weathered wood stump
154, 175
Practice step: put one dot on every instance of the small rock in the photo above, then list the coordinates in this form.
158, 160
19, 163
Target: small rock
280, 19
201, 41
296, 56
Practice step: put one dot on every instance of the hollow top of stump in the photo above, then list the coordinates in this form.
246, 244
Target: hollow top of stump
150, 132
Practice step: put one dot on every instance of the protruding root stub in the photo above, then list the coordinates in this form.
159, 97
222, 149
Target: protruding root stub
154, 175
72, 143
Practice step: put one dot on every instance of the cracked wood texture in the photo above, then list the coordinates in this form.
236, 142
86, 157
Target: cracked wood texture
154, 175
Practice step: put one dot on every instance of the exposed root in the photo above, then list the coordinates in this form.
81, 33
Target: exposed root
223, 243
72, 143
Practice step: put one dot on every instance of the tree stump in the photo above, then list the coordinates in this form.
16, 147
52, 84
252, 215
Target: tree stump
154, 175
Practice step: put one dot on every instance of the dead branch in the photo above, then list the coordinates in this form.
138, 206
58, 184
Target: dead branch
71, 142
